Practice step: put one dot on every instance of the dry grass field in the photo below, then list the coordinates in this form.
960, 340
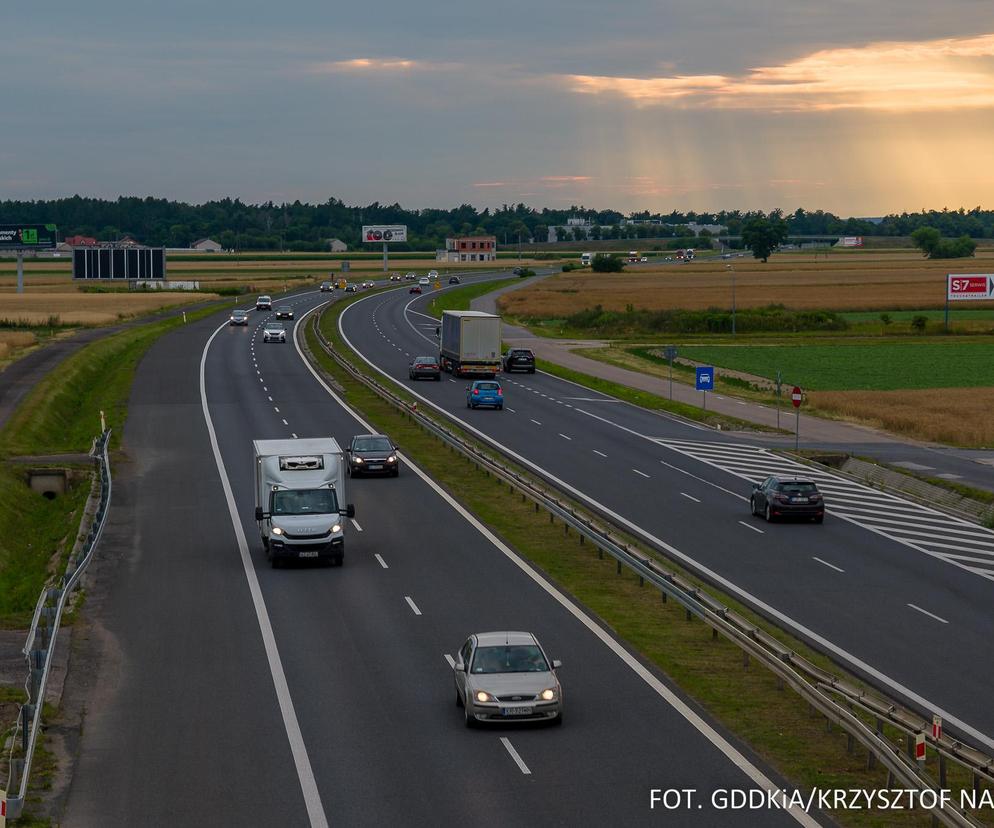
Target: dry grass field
856, 282
74, 308
955, 416
12, 341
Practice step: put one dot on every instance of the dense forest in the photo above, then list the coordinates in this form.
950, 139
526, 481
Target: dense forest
239, 226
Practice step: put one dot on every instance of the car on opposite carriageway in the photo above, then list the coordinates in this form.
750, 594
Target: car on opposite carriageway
778, 497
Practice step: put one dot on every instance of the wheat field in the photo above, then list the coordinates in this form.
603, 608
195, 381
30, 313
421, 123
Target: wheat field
74, 308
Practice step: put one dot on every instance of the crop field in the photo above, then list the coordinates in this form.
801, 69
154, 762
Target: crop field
874, 282
73, 308
13, 341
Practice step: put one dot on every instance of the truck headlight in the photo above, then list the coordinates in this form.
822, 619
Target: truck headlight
277, 530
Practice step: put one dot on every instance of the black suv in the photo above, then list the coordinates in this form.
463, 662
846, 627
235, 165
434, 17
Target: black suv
519, 359
777, 497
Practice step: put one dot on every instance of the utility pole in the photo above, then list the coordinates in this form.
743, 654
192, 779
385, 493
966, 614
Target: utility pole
732, 270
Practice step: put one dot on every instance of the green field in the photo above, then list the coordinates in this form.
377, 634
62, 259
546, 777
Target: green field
858, 317
460, 298
845, 367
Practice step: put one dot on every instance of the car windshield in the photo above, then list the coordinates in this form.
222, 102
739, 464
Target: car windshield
487, 386
798, 488
304, 502
274, 326
521, 353
372, 444
239, 313
263, 298
513, 658
284, 309
426, 360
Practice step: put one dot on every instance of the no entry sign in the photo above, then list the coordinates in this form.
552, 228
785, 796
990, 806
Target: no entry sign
795, 397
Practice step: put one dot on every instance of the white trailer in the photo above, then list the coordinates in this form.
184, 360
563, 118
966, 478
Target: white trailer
470, 343
300, 499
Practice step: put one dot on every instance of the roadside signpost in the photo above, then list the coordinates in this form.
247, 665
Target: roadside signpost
386, 233
920, 746
705, 381
977, 287
670, 353
936, 728
21, 237
779, 382
796, 398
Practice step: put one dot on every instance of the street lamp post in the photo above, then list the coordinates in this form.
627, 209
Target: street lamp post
732, 271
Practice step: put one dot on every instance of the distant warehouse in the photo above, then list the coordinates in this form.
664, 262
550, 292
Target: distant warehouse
468, 249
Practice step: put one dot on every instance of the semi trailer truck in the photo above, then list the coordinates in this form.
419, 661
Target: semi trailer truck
470, 343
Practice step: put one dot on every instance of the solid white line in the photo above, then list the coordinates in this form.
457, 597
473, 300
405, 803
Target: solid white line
564, 436
830, 566
754, 529
450, 659
412, 605
355, 523
929, 614
383, 563
536, 422
690, 497
514, 755
601, 453
640, 472
305, 774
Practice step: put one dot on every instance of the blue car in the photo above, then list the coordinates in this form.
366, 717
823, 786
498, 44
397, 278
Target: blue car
484, 392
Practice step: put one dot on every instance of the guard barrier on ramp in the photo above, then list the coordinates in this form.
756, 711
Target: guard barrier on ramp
834, 698
40, 643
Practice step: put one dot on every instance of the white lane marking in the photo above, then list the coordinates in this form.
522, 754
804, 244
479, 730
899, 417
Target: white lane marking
285, 422
293, 435
564, 436
929, 614
829, 565
450, 659
264, 388
270, 399
276, 409
702, 480
383, 563
355, 523
601, 453
690, 497
514, 755
512, 410
258, 371
412, 605
305, 774
754, 529
451, 380
536, 422
667, 695
640, 472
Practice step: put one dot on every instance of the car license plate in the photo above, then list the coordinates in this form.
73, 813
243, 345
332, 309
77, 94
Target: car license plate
312, 554
375, 466
516, 711
798, 500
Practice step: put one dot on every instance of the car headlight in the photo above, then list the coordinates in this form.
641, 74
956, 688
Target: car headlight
336, 528
277, 530
392, 458
548, 695
358, 460
483, 696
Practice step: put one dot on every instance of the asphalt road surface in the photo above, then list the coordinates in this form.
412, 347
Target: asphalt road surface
898, 592
237, 694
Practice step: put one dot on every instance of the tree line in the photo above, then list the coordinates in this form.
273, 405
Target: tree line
308, 227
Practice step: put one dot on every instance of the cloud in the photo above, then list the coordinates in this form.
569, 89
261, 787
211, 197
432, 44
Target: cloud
909, 76
383, 65
489, 183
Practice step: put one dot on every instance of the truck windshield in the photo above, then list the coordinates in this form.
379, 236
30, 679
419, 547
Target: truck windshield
304, 502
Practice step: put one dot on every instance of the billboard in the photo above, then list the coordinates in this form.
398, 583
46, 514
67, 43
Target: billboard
384, 233
119, 263
851, 241
977, 286
27, 236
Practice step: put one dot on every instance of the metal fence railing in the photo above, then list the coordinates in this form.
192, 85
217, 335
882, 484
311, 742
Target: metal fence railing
833, 697
40, 644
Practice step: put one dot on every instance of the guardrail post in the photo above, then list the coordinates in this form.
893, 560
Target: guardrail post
850, 743
910, 740
714, 633
942, 771
27, 714
662, 595
15, 773
619, 566
745, 659
689, 616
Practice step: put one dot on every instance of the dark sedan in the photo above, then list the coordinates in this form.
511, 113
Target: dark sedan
519, 359
372, 454
425, 367
777, 498
284, 312
415, 289
454, 280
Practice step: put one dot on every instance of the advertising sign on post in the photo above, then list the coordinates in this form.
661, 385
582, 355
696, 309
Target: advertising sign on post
27, 236
384, 233
968, 286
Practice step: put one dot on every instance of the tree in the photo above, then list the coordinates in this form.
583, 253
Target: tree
606, 263
764, 235
933, 246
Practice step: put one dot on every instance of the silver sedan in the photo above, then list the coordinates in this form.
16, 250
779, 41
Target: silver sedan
506, 677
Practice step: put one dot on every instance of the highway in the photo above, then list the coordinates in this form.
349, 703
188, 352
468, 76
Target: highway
231, 693
897, 592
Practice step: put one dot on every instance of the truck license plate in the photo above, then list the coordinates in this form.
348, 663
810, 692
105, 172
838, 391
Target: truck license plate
312, 554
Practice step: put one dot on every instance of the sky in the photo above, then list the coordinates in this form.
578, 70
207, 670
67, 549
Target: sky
860, 107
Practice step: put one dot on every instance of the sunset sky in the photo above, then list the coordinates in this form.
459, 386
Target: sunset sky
861, 108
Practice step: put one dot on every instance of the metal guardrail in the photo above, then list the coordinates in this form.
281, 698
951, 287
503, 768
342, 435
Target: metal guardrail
40, 644
816, 686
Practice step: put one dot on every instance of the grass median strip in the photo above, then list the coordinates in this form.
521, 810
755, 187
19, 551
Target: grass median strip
461, 298
775, 723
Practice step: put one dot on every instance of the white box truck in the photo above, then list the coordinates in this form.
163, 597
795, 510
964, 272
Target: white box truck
300, 499
470, 343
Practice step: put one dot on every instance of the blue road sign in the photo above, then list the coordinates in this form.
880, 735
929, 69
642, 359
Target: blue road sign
705, 378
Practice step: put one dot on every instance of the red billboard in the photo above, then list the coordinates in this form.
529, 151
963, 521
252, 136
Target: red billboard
970, 286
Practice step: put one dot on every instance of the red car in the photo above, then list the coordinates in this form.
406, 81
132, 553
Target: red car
415, 289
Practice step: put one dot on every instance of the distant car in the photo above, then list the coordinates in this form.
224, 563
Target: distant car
644, 259
284, 312
454, 280
424, 281
415, 289
507, 677
274, 332
394, 277
238, 317
368, 284
726, 255
517, 271
372, 454
263, 303
433, 275
426, 367
350, 288
410, 277
326, 287
519, 359
485, 392
777, 497
669, 258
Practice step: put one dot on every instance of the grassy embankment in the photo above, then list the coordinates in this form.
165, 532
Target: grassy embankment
774, 722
